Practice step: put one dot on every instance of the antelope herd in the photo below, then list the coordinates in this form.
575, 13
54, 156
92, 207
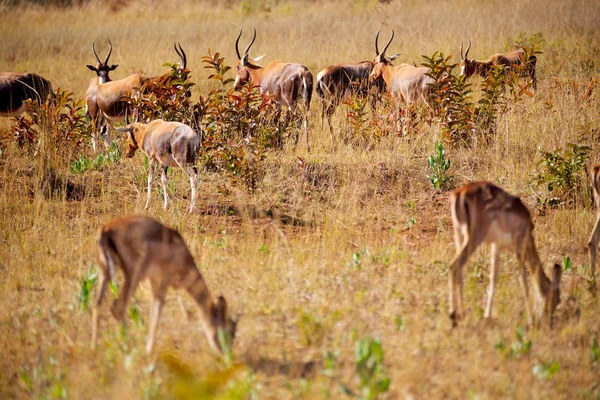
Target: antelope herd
142, 248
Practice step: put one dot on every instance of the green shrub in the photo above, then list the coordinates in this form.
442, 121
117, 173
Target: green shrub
439, 166
562, 174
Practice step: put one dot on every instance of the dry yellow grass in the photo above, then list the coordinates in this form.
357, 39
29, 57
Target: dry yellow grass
295, 287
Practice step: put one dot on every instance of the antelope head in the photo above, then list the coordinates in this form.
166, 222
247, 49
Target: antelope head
381, 61
132, 129
102, 69
221, 320
467, 67
244, 65
553, 295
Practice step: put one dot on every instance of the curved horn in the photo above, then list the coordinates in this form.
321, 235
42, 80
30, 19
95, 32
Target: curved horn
109, 52
377, 40
126, 116
461, 51
181, 54
251, 43
388, 44
237, 41
94, 51
468, 48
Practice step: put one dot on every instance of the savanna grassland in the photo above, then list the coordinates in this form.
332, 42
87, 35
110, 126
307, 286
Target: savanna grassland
347, 242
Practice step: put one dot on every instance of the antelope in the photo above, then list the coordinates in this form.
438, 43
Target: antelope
484, 213
336, 82
406, 83
110, 98
171, 144
143, 249
91, 107
595, 237
510, 60
290, 85
18, 87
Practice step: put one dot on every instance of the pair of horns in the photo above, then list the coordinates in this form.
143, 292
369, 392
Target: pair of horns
181, 54
386, 46
461, 51
96, 55
237, 41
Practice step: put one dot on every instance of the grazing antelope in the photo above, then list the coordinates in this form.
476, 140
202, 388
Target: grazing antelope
484, 213
289, 84
337, 82
509, 60
92, 111
172, 144
145, 249
595, 237
17, 87
406, 83
110, 97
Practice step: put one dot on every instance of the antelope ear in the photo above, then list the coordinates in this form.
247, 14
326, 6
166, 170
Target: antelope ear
257, 59
92, 67
392, 58
113, 67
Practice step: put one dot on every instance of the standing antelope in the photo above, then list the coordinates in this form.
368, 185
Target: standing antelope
406, 83
337, 82
110, 98
92, 111
484, 213
289, 84
510, 60
17, 87
172, 144
145, 249
595, 237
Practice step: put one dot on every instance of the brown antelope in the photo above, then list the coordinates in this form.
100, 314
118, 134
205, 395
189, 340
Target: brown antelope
337, 82
171, 144
17, 87
484, 213
406, 83
510, 60
595, 237
143, 248
110, 98
290, 85
91, 108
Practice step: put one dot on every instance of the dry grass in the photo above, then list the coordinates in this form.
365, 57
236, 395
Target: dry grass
295, 286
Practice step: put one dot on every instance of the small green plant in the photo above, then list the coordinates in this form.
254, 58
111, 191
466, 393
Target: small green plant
225, 341
399, 323
311, 328
371, 374
358, 257
545, 370
87, 286
594, 351
562, 173
83, 164
439, 166
134, 314
520, 347
567, 265
330, 362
